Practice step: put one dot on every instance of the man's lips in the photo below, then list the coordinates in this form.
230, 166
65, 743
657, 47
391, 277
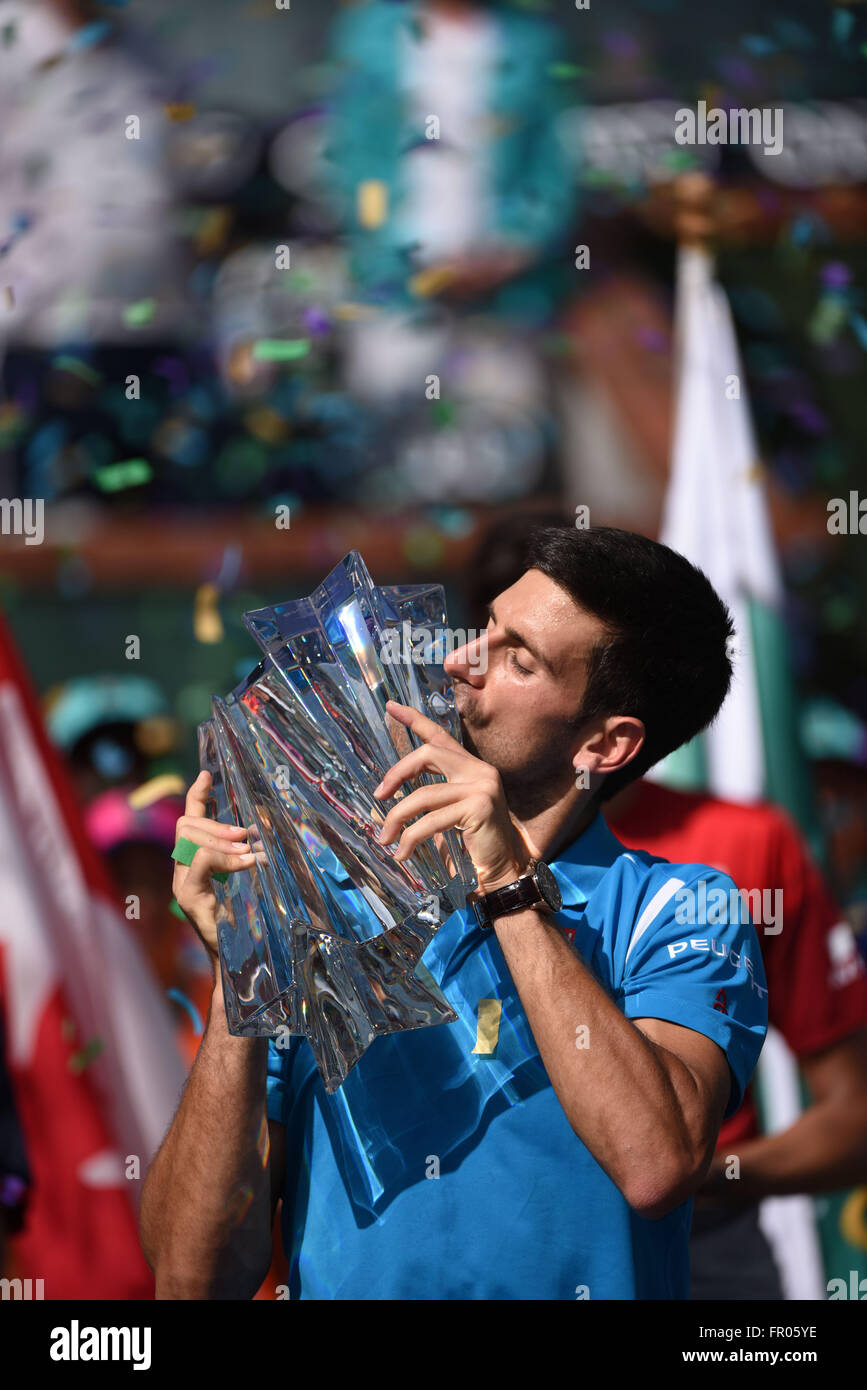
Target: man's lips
461, 701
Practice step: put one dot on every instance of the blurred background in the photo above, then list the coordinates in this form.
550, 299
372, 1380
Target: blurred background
282, 281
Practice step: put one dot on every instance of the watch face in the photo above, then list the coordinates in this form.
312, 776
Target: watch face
547, 885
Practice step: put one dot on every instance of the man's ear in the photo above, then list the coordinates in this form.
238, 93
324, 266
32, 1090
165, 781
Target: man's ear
614, 744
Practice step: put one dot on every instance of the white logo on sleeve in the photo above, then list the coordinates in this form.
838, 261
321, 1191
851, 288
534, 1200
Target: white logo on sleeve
721, 949
846, 963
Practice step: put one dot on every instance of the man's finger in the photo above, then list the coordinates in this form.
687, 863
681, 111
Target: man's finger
196, 802
189, 827
425, 728
446, 818
208, 862
424, 799
428, 758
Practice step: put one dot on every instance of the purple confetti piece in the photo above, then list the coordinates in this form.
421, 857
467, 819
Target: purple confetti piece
835, 275
175, 371
316, 321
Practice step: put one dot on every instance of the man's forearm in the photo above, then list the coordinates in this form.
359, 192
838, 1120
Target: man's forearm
823, 1151
618, 1097
206, 1205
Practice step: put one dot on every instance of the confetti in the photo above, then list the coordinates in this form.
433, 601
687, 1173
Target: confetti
859, 328
488, 1026
180, 111
315, 321
79, 1060
178, 997
836, 275
213, 229
454, 521
828, 320
230, 567
207, 623
13, 423
65, 363
444, 413
422, 546
140, 313
167, 784
117, 476
89, 35
184, 444
758, 45
352, 313
266, 424
431, 281
564, 71
372, 203
842, 24
280, 350
174, 370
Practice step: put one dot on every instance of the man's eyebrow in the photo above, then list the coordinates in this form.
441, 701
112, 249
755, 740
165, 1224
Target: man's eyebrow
522, 642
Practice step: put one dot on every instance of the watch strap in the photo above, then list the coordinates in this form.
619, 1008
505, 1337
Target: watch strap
524, 892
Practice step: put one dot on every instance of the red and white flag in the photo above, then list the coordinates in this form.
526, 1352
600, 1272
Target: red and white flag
89, 1038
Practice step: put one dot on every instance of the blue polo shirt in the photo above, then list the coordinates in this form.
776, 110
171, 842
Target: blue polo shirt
445, 1168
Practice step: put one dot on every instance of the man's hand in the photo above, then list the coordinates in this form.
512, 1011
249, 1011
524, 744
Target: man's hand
471, 800
224, 850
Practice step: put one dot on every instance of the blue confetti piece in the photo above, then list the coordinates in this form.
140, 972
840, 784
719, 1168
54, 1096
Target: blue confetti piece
801, 231
859, 328
842, 24
40, 458
89, 35
758, 45
230, 567
792, 34
178, 997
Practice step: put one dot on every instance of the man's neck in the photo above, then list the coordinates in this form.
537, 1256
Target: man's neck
553, 830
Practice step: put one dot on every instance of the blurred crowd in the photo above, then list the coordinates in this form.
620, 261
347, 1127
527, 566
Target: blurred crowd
352, 304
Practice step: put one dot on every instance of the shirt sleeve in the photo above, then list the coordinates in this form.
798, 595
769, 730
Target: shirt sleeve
816, 978
697, 963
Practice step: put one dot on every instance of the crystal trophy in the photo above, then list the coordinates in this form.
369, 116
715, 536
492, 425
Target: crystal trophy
324, 936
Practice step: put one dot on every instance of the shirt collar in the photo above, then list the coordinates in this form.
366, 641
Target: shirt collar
580, 866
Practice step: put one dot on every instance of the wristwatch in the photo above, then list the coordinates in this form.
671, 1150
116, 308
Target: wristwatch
539, 886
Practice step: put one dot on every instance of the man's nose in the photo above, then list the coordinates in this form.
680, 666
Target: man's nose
469, 662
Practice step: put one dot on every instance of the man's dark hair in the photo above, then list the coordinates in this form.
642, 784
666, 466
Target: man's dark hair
663, 658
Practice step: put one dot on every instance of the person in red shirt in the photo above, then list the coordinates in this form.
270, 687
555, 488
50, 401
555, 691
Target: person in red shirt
817, 998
